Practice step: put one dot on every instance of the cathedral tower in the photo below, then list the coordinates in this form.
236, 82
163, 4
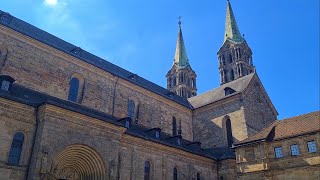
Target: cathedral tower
181, 79
235, 56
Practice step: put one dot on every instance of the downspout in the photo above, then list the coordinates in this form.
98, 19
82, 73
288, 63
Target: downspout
33, 142
114, 96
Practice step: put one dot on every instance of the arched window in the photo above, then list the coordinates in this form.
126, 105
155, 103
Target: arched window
16, 148
229, 132
231, 75
230, 58
147, 170
175, 173
131, 106
174, 126
73, 89
198, 176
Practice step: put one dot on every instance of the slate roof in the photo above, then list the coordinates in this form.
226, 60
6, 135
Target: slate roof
29, 30
287, 128
239, 85
33, 98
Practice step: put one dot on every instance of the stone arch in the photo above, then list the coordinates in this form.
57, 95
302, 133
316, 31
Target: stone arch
78, 162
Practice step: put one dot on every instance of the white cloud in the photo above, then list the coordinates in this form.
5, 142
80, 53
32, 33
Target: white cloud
50, 2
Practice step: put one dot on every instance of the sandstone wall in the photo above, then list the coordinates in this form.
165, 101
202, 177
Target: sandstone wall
48, 70
15, 117
208, 122
258, 108
259, 160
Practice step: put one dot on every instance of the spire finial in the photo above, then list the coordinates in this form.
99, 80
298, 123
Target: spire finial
179, 18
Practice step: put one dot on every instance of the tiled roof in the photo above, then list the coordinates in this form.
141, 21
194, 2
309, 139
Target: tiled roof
33, 98
287, 128
239, 85
68, 48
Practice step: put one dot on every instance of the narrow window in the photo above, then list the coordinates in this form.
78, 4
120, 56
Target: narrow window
230, 58
73, 89
278, 152
231, 75
147, 170
5, 85
312, 146
229, 133
174, 126
295, 150
198, 176
175, 173
131, 105
16, 148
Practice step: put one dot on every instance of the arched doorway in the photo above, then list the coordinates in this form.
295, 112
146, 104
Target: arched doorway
77, 162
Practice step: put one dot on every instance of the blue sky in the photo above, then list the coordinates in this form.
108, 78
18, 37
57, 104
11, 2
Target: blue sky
140, 36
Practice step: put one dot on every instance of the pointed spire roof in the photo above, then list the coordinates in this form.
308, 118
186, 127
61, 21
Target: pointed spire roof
231, 31
180, 57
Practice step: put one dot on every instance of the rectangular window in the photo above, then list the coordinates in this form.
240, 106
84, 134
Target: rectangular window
278, 152
295, 150
312, 146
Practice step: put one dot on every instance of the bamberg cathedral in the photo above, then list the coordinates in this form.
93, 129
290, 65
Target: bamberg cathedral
66, 114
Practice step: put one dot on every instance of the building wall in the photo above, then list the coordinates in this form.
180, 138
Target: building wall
45, 69
258, 109
208, 122
227, 169
258, 160
117, 154
135, 151
15, 117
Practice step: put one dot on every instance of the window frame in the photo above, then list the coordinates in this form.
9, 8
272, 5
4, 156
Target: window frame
147, 174
74, 85
315, 146
175, 173
275, 152
174, 126
295, 150
17, 161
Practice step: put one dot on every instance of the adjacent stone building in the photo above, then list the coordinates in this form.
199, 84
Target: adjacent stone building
68, 114
287, 149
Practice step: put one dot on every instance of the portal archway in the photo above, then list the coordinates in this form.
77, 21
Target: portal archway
78, 162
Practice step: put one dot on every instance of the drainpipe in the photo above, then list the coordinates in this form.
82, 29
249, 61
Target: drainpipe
35, 146
33, 142
114, 96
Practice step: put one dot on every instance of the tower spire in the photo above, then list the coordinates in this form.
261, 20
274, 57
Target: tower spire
231, 30
180, 57
181, 79
235, 56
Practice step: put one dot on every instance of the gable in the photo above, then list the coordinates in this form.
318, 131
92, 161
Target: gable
209, 97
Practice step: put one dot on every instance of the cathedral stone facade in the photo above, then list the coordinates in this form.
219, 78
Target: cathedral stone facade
68, 114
